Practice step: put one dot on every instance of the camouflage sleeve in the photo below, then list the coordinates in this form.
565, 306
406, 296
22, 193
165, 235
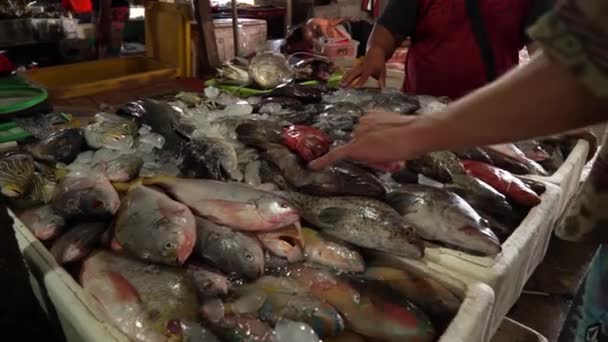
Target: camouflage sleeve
576, 34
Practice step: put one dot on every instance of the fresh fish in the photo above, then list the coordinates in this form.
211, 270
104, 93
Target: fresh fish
272, 175
60, 147
122, 168
162, 118
285, 242
431, 104
440, 166
210, 158
393, 101
209, 283
274, 299
476, 153
507, 163
235, 205
16, 173
302, 115
514, 153
308, 142
360, 221
429, 295
86, 197
504, 182
556, 158
41, 191
152, 226
50, 173
251, 174
78, 242
338, 120
341, 179
533, 150
146, 302
235, 72
536, 186
314, 69
304, 94
242, 329
43, 222
195, 332
110, 131
322, 251
365, 314
231, 251
270, 70
405, 176
257, 133
283, 101
482, 197
442, 216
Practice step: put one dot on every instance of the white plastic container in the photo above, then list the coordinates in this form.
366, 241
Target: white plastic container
508, 272
513, 331
568, 176
83, 322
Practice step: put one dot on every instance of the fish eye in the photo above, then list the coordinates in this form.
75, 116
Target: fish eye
284, 205
97, 204
169, 245
248, 257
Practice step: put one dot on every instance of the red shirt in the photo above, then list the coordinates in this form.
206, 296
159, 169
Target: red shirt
444, 58
78, 6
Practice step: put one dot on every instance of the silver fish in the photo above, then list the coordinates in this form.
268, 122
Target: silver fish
78, 242
111, 131
440, 215
360, 221
44, 222
86, 196
270, 70
152, 226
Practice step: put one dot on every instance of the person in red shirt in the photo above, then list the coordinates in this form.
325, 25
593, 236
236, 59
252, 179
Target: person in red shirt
456, 46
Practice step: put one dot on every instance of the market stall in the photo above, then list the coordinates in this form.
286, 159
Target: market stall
192, 216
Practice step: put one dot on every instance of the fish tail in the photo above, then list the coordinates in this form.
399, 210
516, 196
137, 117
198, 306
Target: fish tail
157, 180
127, 186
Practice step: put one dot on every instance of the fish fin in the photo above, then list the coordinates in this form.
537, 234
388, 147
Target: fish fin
157, 180
332, 215
125, 292
115, 245
127, 186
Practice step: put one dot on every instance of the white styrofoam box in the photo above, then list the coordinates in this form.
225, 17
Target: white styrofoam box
567, 177
252, 37
511, 330
508, 272
472, 320
84, 322
81, 322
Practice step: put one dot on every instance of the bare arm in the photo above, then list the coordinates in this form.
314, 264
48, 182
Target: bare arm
540, 98
384, 41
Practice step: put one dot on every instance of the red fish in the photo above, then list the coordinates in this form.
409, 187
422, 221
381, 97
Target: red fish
504, 182
308, 142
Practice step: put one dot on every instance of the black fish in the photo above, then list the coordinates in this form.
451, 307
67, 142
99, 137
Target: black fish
305, 94
62, 146
339, 180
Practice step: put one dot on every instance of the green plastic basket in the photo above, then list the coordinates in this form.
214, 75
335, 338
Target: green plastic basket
18, 99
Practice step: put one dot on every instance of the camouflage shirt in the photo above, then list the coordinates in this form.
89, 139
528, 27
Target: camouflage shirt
576, 35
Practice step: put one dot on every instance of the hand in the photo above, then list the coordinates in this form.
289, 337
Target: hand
373, 65
374, 148
381, 120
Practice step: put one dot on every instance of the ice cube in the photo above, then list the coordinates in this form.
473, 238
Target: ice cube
254, 100
105, 154
271, 108
212, 92
289, 331
154, 139
145, 129
238, 109
123, 143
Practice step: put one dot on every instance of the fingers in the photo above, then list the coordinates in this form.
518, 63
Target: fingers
351, 76
332, 157
365, 74
382, 78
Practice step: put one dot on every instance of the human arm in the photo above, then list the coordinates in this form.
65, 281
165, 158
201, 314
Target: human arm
540, 98
397, 22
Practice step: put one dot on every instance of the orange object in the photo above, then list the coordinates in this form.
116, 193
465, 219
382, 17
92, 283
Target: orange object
78, 6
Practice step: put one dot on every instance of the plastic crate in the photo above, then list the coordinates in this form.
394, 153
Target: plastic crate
84, 321
508, 272
87, 78
337, 50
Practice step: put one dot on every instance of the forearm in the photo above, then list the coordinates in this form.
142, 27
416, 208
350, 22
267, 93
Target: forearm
504, 110
382, 39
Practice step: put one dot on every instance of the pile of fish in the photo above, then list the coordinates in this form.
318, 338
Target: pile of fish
196, 218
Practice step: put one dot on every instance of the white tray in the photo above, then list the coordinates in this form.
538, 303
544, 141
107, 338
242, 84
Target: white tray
508, 272
83, 322
568, 176
513, 331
